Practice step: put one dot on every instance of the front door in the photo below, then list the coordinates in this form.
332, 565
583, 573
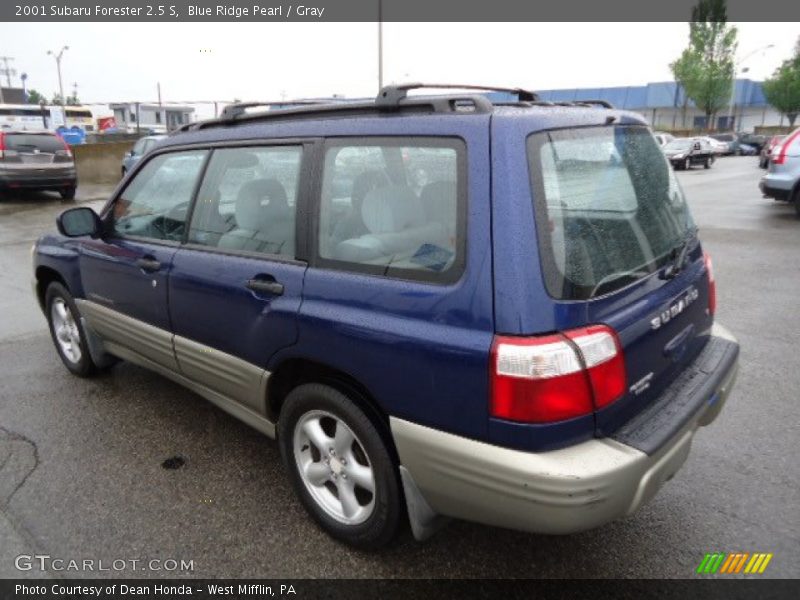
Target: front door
125, 274
236, 286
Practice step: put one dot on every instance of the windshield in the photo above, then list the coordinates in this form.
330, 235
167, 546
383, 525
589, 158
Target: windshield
608, 208
678, 145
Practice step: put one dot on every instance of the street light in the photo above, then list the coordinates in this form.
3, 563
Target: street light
733, 84
58, 66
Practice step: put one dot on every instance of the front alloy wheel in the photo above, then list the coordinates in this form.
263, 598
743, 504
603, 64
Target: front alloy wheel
67, 332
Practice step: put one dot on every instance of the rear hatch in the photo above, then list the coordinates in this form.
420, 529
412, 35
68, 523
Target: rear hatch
618, 247
34, 151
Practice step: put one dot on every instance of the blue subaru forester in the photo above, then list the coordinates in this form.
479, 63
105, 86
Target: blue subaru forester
439, 305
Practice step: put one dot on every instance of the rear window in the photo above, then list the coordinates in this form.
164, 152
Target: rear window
29, 142
608, 208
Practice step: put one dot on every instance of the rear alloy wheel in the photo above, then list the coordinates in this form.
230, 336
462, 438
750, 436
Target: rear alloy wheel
67, 332
687, 164
339, 466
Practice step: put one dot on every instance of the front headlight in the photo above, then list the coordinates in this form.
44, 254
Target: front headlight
679, 156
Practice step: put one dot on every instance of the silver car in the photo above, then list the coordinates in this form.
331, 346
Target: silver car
782, 180
140, 148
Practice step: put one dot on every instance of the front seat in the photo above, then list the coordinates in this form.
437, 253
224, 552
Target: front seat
264, 220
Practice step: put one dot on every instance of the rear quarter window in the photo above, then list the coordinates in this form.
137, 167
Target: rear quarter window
608, 208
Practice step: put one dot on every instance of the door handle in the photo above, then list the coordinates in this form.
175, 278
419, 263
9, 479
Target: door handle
269, 286
148, 264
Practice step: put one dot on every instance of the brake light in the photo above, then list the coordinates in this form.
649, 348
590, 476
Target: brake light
712, 284
67, 150
556, 377
2, 145
780, 158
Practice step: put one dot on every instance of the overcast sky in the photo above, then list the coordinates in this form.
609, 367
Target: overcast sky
222, 61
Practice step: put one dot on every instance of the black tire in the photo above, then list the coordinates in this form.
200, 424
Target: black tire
84, 366
386, 501
124, 171
67, 193
707, 163
796, 201
687, 164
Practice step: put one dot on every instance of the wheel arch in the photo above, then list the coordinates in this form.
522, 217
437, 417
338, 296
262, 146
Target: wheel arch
44, 277
293, 372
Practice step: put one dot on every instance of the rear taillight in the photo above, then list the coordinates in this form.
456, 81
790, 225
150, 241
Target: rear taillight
780, 152
2, 145
556, 377
712, 284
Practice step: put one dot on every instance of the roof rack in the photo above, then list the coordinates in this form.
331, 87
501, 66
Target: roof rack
391, 96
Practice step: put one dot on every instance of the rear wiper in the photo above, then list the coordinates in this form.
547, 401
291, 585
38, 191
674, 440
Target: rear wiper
679, 254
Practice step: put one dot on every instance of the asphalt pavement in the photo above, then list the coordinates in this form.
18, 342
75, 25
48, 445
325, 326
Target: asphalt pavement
81, 473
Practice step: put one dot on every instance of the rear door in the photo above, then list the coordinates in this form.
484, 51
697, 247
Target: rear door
618, 246
125, 273
237, 284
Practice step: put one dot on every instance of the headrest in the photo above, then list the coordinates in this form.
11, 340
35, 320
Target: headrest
391, 209
255, 197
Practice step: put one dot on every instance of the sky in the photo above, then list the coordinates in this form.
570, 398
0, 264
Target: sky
269, 61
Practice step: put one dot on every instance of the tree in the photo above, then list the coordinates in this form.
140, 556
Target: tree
705, 69
56, 99
782, 90
73, 100
35, 97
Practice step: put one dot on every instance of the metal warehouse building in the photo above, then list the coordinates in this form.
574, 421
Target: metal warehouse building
665, 106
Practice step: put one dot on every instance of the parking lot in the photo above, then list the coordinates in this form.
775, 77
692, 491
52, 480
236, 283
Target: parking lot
81, 473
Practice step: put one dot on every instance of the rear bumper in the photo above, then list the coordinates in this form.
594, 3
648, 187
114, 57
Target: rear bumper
777, 186
38, 179
566, 490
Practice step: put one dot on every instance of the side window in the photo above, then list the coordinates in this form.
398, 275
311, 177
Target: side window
154, 205
138, 147
393, 207
248, 200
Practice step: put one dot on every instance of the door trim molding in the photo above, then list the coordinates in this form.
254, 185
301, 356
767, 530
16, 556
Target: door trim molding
234, 385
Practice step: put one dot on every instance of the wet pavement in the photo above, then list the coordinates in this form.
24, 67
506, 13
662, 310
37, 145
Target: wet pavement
81, 472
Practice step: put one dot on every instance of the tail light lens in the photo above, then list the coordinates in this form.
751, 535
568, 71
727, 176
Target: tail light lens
556, 377
67, 150
712, 284
780, 152
2, 145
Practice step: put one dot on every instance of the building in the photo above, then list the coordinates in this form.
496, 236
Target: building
665, 106
13, 95
150, 117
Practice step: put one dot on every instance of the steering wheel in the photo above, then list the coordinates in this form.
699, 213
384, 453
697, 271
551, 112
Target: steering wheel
170, 225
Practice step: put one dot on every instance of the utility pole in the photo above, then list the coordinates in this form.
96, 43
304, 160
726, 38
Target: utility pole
60, 84
380, 44
9, 72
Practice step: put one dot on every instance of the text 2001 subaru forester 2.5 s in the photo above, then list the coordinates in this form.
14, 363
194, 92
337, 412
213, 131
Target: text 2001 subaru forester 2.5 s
441, 305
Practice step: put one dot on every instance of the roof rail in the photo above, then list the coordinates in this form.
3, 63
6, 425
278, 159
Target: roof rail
390, 96
232, 111
603, 103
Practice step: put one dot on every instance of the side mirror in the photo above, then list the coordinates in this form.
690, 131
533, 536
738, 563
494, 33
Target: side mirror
132, 152
77, 222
